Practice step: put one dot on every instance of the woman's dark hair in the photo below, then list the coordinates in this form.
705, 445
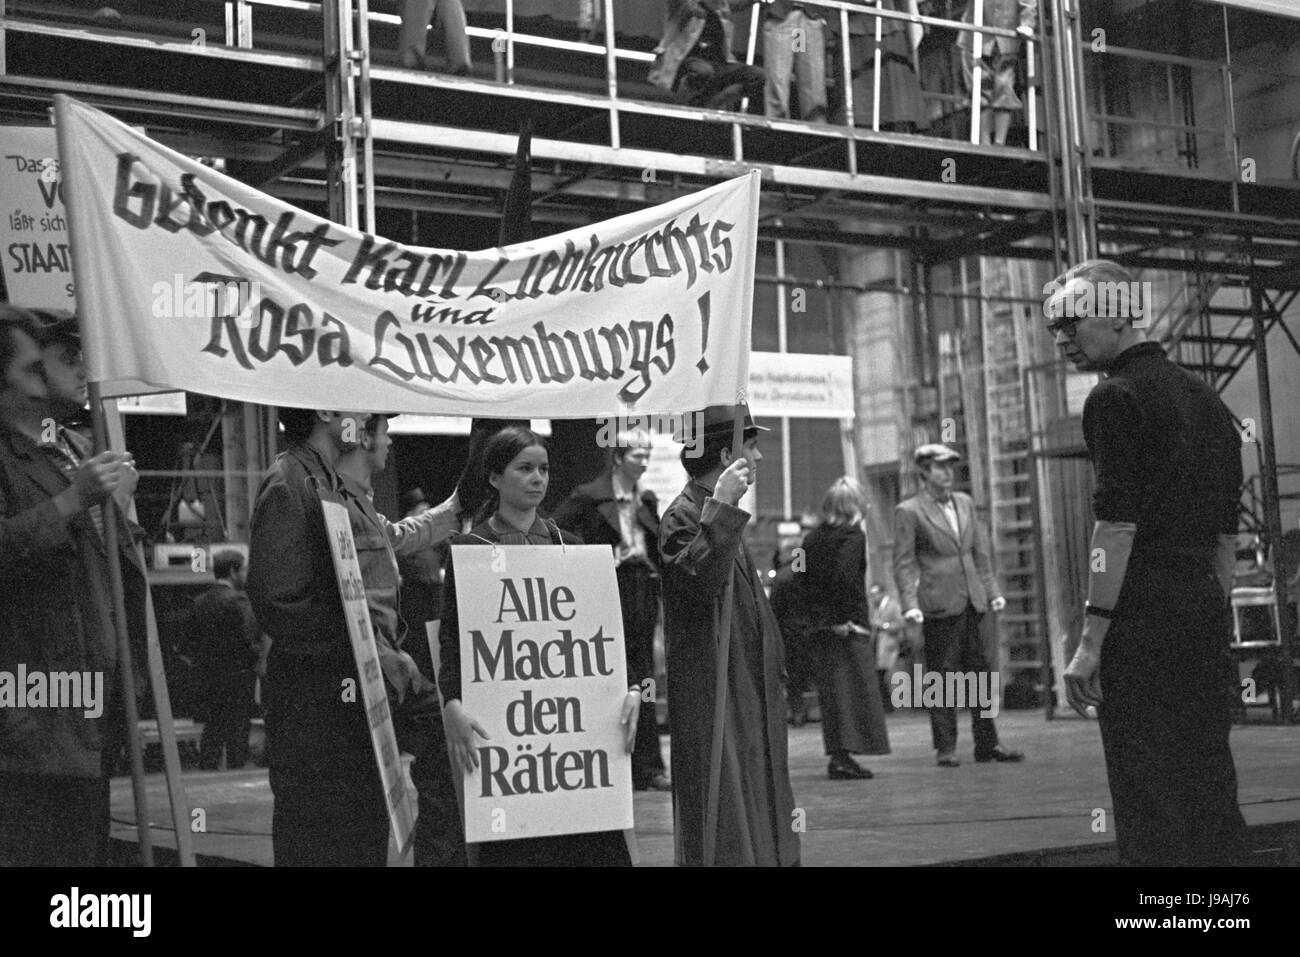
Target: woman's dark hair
505, 445
498, 452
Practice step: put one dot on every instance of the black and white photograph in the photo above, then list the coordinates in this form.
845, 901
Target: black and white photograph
655, 434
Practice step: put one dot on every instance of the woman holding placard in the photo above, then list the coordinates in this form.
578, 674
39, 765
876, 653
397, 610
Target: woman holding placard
518, 472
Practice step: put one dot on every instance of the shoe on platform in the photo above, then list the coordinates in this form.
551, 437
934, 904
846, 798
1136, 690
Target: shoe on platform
846, 769
999, 754
948, 760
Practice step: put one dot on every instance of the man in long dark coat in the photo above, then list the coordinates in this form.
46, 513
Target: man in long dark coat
700, 544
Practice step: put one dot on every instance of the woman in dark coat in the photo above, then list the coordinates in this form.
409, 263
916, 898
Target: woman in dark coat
853, 716
515, 463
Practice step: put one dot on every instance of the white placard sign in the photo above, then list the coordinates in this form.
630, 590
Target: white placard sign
543, 671
34, 252
374, 695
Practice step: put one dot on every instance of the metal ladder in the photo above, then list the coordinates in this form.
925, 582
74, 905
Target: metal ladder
1013, 521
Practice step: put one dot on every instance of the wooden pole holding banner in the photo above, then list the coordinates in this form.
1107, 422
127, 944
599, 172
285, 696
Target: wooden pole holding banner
124, 665
720, 674
179, 801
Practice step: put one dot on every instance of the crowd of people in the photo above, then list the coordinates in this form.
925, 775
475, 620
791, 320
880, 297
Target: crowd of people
1168, 463
696, 62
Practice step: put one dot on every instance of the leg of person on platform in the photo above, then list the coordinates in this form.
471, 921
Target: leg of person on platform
455, 39
975, 661
1165, 723
778, 62
413, 39
737, 81
942, 652
810, 70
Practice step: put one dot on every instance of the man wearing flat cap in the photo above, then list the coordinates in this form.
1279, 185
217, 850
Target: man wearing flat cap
945, 583
701, 550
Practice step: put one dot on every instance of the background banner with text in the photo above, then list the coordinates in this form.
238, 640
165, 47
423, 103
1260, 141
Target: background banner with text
195, 280
36, 260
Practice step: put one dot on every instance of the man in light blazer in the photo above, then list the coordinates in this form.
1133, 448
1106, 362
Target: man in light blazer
945, 583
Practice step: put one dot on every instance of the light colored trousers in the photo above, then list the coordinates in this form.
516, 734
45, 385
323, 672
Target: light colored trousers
795, 45
415, 34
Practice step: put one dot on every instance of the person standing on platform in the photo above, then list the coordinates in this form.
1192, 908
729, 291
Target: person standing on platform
516, 465
58, 607
1153, 657
853, 718
329, 800
695, 61
381, 545
614, 510
902, 106
1000, 57
944, 574
794, 42
414, 36
700, 543
229, 648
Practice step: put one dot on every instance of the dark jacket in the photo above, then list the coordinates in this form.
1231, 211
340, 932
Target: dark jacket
291, 580
310, 722
56, 611
836, 573
937, 570
681, 33
229, 637
700, 540
591, 512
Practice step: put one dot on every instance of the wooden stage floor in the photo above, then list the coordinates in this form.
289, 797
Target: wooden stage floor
911, 813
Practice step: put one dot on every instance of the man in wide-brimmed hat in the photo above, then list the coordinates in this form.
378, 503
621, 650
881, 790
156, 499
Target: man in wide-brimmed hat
702, 551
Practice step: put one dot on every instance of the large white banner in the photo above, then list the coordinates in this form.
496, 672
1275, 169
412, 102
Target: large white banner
543, 671
190, 279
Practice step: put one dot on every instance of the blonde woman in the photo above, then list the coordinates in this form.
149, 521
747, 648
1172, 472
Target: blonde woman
853, 716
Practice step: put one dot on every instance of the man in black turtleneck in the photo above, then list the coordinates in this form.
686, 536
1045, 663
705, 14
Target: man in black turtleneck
1153, 659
